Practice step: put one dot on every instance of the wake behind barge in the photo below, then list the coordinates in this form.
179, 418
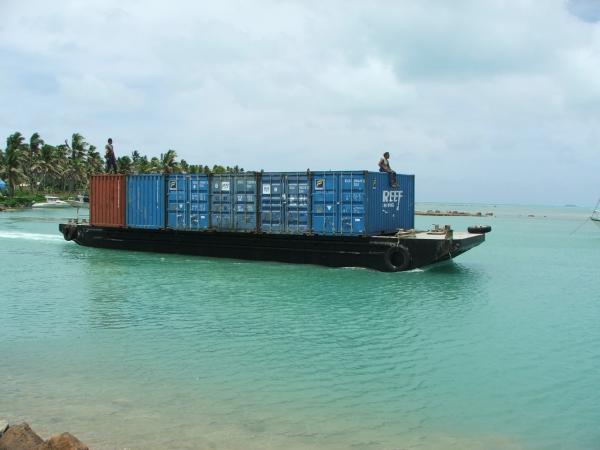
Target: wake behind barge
389, 253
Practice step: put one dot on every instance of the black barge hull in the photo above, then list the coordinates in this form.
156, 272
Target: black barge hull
384, 253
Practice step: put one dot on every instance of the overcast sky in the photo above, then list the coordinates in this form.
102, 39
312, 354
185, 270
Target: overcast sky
483, 100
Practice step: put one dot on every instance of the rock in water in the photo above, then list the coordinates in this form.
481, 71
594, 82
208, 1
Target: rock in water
65, 441
3, 426
20, 437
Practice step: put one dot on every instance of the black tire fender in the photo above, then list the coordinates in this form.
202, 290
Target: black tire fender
70, 233
397, 258
479, 229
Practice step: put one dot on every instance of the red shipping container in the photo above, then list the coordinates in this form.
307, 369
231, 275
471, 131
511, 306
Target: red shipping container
107, 200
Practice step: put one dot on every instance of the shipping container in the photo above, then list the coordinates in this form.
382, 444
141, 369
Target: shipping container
107, 200
360, 203
233, 202
187, 202
145, 201
284, 202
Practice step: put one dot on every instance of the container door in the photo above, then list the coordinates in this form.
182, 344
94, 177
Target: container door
145, 201
177, 199
198, 201
296, 203
221, 202
107, 200
271, 202
187, 202
245, 202
352, 203
324, 203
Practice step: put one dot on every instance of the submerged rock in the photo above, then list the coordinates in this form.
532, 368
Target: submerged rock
65, 441
20, 437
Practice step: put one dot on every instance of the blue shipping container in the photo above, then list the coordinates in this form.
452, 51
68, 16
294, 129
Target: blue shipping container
284, 202
233, 205
361, 203
187, 200
145, 199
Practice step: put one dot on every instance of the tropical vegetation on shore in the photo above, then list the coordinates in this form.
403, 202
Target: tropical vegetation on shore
33, 166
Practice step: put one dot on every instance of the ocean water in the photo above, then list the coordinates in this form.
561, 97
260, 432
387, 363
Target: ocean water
498, 350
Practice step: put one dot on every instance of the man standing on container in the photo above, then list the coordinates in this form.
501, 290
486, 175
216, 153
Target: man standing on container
109, 155
384, 166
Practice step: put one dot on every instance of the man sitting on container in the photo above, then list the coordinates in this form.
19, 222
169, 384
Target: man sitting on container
384, 166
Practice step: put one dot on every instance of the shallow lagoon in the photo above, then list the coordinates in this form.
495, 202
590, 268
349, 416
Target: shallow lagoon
500, 349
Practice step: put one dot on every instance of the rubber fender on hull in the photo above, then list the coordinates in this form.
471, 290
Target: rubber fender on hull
479, 229
70, 233
397, 258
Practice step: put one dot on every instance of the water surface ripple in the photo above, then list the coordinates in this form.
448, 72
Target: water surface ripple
500, 349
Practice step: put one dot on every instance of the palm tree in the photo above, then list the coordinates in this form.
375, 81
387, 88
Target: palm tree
136, 160
76, 175
13, 159
94, 161
124, 164
184, 167
78, 146
168, 162
1, 164
63, 165
143, 166
35, 143
32, 164
48, 164
154, 165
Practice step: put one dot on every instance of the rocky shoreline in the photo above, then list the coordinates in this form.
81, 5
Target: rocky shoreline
22, 437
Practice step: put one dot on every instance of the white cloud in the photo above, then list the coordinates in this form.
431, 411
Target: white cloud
91, 92
462, 93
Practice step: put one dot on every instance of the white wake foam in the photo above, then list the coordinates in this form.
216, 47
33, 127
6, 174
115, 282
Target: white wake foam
29, 236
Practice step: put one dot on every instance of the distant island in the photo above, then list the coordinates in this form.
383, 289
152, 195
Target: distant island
437, 212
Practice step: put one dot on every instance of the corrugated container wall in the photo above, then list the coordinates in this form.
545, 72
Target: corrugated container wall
360, 203
145, 201
187, 199
390, 209
107, 200
284, 202
233, 202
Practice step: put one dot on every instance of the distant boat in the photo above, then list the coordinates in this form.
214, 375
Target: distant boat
596, 215
51, 202
82, 201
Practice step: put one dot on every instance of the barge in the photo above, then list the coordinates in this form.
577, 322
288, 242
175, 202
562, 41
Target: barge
391, 253
336, 219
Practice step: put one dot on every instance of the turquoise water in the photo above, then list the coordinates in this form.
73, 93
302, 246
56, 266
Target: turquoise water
500, 349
